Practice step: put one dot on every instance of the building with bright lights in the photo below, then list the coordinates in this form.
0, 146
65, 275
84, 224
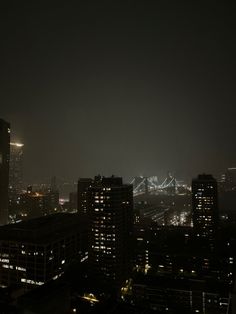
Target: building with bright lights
205, 206
110, 212
16, 169
36, 251
83, 185
4, 170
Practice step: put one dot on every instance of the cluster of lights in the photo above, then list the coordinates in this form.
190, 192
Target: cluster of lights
32, 282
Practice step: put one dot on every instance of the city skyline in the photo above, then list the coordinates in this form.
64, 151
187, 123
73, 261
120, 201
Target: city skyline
118, 157
160, 177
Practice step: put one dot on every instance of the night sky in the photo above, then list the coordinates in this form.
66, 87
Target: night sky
120, 87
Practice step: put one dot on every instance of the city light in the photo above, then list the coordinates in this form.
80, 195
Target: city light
17, 144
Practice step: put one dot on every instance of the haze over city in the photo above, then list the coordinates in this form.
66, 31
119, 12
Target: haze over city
128, 88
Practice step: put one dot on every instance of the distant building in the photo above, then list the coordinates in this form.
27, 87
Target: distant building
73, 201
205, 206
16, 169
83, 185
34, 204
36, 251
53, 185
4, 170
230, 179
110, 214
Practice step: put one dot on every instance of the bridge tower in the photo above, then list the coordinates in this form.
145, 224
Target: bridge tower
146, 186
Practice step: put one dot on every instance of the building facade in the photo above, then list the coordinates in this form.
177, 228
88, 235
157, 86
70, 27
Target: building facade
205, 206
4, 170
83, 185
110, 212
36, 251
16, 169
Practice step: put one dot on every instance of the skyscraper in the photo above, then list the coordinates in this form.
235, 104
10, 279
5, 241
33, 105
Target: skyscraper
16, 171
4, 170
83, 185
230, 179
205, 205
110, 212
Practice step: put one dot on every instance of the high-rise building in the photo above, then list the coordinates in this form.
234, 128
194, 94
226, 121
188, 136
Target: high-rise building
16, 169
110, 212
4, 170
83, 185
205, 205
36, 251
230, 179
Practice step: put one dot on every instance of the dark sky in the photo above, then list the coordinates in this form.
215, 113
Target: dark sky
123, 87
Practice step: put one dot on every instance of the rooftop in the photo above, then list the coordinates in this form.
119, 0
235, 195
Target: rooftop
42, 229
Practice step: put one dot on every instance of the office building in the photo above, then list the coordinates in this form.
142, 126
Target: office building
16, 169
4, 170
171, 295
83, 185
36, 251
177, 273
205, 206
110, 212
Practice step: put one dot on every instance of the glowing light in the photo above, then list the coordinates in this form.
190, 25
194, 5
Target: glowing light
32, 282
90, 297
17, 144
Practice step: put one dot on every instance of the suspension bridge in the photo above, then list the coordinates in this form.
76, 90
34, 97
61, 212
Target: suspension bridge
152, 185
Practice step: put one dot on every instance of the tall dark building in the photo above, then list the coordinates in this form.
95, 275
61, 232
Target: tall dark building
205, 205
83, 185
16, 169
4, 170
110, 212
36, 251
73, 201
230, 179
